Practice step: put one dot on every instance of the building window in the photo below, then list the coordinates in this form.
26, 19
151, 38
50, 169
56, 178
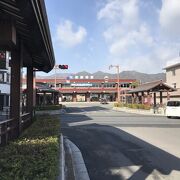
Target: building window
1, 77
8, 78
173, 72
174, 85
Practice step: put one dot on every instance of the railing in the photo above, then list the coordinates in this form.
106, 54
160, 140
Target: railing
11, 128
25, 120
8, 131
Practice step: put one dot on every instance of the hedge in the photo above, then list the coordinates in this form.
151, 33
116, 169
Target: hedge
49, 107
133, 106
35, 155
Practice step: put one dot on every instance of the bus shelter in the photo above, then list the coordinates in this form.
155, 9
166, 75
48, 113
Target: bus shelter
147, 93
24, 32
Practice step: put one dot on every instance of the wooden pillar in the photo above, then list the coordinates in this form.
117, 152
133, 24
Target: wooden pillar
132, 98
53, 100
44, 99
74, 97
142, 97
56, 96
137, 97
154, 99
30, 90
15, 100
87, 97
148, 98
161, 98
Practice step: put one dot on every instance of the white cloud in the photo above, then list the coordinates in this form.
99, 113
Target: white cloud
151, 62
169, 17
124, 11
132, 41
119, 41
124, 28
69, 37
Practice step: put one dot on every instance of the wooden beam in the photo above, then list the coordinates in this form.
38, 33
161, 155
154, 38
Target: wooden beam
7, 33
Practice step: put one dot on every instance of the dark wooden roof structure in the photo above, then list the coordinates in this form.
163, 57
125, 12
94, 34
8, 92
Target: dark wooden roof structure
155, 86
30, 24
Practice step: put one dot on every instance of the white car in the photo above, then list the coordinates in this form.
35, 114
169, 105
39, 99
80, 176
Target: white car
173, 109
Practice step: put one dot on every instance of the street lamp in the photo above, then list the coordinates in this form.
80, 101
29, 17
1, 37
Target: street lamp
118, 91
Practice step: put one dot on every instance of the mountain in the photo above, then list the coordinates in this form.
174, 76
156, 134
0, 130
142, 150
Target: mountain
58, 75
142, 77
83, 73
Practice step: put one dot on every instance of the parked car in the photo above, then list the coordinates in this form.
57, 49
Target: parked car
173, 109
103, 101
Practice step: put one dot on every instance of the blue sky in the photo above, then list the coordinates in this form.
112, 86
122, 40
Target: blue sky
141, 35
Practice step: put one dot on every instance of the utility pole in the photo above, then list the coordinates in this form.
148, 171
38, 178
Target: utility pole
118, 83
55, 76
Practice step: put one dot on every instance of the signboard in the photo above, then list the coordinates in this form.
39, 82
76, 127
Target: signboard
2, 59
106, 79
81, 85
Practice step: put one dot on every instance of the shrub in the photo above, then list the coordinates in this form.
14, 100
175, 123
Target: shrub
133, 106
35, 155
49, 107
118, 105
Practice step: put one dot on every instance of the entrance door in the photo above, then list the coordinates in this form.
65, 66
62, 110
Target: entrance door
81, 97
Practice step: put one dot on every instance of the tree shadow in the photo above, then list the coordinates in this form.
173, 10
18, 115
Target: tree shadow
85, 109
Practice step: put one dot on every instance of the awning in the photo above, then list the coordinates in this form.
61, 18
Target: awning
155, 86
31, 24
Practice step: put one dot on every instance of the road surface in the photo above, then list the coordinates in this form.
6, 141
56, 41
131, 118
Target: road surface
118, 145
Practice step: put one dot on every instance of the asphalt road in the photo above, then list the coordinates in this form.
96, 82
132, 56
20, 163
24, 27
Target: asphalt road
118, 145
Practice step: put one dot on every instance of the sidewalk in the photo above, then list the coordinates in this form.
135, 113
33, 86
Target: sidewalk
139, 111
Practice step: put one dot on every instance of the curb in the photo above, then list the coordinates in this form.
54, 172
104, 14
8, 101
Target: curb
61, 160
51, 112
79, 167
137, 112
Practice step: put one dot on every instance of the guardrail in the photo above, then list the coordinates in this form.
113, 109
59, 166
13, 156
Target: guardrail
11, 128
25, 120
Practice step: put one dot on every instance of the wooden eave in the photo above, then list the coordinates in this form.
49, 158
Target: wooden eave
32, 28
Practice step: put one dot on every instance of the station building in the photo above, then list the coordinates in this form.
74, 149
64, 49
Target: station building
90, 89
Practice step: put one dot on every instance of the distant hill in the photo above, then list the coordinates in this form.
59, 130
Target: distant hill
58, 75
83, 73
142, 77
